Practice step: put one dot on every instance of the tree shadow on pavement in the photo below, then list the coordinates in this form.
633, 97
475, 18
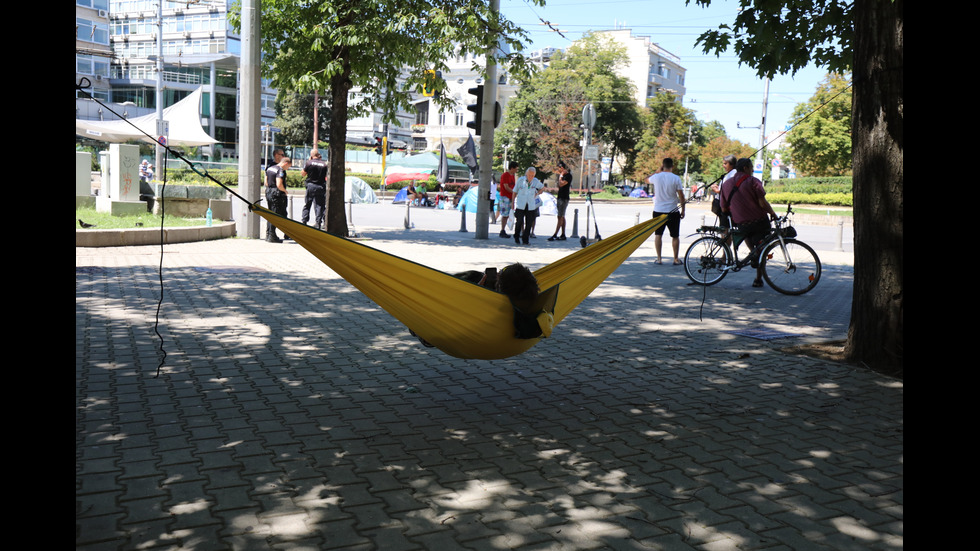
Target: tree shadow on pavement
291, 411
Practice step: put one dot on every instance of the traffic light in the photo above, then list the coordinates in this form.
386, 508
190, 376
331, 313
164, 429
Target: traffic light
378, 146
476, 108
429, 84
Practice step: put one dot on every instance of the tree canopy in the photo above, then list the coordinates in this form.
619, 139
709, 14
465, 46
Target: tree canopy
821, 134
542, 122
380, 48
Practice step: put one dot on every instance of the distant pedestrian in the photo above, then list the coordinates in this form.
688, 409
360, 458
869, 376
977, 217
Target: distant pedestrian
561, 200
668, 198
275, 194
315, 172
525, 205
728, 164
506, 188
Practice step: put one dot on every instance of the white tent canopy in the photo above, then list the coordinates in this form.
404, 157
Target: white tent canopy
183, 117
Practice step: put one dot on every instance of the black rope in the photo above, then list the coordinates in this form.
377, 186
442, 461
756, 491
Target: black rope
82, 86
156, 325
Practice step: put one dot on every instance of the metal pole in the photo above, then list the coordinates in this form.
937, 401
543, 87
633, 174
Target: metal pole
249, 147
486, 139
159, 92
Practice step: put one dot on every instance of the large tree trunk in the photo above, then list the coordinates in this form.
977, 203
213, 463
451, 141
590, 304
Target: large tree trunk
875, 336
335, 216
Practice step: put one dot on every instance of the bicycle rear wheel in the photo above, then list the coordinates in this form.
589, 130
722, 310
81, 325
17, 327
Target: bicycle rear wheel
794, 272
706, 260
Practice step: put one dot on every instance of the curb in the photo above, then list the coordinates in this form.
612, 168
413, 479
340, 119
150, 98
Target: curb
151, 236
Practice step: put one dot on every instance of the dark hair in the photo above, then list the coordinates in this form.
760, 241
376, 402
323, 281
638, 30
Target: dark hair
518, 282
512, 164
668, 163
742, 164
561, 164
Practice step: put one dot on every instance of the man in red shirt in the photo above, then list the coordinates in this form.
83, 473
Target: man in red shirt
506, 188
744, 198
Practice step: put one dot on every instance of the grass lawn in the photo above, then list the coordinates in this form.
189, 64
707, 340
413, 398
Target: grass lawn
105, 221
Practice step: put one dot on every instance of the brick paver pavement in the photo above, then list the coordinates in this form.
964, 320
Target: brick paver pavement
290, 412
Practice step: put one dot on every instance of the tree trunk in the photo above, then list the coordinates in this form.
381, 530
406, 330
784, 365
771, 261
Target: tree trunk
335, 216
875, 336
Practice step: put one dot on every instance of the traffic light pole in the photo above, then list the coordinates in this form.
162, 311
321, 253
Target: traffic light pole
487, 123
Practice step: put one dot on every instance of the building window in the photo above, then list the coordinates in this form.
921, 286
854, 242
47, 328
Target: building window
90, 31
92, 65
422, 113
94, 4
459, 118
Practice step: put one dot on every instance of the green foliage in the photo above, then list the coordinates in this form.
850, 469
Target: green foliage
294, 116
821, 134
784, 37
542, 122
809, 185
829, 199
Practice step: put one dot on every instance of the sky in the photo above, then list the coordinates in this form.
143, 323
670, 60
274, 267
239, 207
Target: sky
717, 87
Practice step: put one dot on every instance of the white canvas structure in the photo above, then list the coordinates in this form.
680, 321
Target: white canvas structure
358, 191
183, 117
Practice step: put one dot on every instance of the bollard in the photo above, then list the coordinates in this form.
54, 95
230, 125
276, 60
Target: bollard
408, 222
637, 218
575, 225
840, 236
462, 220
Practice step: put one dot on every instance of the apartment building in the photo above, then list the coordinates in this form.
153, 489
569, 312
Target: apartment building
199, 49
650, 68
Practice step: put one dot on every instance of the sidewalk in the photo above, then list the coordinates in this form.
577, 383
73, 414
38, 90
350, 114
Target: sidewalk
291, 412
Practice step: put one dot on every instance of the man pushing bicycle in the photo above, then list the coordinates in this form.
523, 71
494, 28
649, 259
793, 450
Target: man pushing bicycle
743, 197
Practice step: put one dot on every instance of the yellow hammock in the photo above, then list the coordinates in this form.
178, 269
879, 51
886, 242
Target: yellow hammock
461, 318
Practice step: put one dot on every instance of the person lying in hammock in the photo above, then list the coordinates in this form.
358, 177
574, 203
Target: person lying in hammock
521, 287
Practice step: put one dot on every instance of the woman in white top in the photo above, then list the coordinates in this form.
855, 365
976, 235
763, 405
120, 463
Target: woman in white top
525, 207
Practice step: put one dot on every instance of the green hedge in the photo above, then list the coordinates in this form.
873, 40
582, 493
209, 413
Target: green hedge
829, 199
808, 185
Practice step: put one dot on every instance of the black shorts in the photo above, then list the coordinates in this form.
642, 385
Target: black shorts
673, 223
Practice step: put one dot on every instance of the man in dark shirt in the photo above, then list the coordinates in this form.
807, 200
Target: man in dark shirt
275, 194
561, 200
315, 172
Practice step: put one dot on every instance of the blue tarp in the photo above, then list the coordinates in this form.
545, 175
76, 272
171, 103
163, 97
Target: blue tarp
401, 196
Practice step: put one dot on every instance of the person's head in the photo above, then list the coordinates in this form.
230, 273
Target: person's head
315, 154
285, 162
530, 172
728, 163
744, 165
667, 165
512, 167
517, 282
278, 154
562, 168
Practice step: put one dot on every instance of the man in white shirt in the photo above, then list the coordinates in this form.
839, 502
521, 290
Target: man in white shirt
525, 208
668, 193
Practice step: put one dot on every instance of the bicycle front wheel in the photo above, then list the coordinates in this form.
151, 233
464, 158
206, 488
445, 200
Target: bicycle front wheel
707, 260
792, 270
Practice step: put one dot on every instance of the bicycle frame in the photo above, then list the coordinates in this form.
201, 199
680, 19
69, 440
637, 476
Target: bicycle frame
793, 270
775, 234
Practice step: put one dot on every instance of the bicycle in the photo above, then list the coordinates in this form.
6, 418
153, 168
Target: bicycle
788, 265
